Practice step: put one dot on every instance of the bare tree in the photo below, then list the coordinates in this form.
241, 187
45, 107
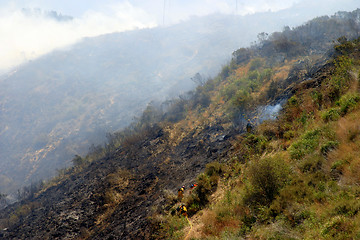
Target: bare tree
198, 79
3, 202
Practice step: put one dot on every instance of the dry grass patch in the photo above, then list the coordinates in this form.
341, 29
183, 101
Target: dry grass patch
113, 195
345, 160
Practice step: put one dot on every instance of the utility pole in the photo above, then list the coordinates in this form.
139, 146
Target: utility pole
236, 11
164, 13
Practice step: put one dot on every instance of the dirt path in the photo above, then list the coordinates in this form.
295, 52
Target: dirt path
195, 230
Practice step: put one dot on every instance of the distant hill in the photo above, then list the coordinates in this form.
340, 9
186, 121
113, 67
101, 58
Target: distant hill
37, 12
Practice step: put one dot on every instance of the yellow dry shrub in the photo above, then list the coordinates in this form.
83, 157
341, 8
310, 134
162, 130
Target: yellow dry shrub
351, 174
112, 196
348, 129
118, 181
347, 157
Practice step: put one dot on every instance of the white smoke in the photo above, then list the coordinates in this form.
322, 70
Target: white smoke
268, 112
25, 37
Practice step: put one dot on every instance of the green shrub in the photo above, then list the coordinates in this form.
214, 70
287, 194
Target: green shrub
330, 115
303, 117
241, 99
338, 227
256, 64
289, 134
311, 164
337, 165
307, 144
343, 65
228, 92
78, 161
348, 102
266, 177
253, 75
207, 183
193, 207
345, 46
290, 200
225, 72
346, 207
169, 227
334, 89
214, 168
256, 143
293, 101
272, 90
317, 98
266, 74
328, 146
340, 80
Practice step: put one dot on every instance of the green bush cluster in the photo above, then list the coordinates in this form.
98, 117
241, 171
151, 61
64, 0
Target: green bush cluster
317, 97
256, 144
339, 82
168, 227
338, 227
237, 93
344, 47
343, 65
265, 179
345, 104
348, 102
328, 146
347, 207
331, 114
311, 164
207, 184
307, 144
256, 64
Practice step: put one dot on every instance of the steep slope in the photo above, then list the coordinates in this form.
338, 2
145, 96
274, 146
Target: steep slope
113, 196
57, 106
295, 177
115, 191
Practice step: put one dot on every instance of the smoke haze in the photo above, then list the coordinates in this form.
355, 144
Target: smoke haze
59, 102
28, 36
25, 36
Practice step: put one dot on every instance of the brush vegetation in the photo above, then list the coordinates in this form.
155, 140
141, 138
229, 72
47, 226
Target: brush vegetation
296, 177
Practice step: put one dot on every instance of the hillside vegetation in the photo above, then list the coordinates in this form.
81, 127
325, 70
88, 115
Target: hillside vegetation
60, 104
296, 177
289, 176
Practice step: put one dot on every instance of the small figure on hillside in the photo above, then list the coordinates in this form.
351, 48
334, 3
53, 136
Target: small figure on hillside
192, 186
181, 193
249, 126
182, 210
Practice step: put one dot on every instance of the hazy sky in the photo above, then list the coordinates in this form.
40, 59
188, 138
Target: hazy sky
155, 8
25, 37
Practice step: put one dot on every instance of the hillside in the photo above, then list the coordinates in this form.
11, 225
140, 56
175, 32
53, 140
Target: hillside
296, 177
57, 106
288, 173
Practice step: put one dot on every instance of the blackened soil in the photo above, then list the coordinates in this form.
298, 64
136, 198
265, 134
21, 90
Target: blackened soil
77, 208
